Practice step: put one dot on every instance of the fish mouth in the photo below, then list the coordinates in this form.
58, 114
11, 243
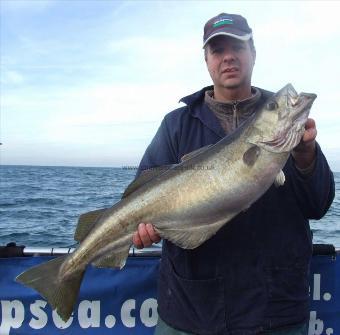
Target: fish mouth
298, 105
292, 118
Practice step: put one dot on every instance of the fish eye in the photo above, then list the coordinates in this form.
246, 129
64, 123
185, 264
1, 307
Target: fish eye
271, 105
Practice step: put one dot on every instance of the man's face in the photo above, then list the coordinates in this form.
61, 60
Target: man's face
230, 63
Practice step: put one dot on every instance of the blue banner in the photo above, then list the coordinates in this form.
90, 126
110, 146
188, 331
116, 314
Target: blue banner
325, 296
124, 302
110, 301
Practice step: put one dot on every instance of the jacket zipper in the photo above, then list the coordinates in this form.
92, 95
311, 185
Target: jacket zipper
235, 121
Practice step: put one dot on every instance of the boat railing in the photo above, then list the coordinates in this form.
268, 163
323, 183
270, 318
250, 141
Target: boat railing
154, 251
13, 250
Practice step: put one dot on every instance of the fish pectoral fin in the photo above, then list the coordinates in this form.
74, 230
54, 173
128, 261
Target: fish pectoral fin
86, 222
251, 155
61, 294
145, 177
280, 179
190, 238
195, 153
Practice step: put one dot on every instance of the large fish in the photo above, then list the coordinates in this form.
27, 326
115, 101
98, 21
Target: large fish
187, 203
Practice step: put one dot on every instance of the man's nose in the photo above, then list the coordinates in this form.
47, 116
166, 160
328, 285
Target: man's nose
228, 56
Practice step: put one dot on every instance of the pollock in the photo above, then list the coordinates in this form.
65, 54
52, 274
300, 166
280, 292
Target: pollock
187, 203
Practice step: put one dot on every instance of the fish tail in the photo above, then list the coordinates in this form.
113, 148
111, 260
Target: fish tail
60, 293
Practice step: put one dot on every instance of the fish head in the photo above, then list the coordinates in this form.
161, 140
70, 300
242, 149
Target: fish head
281, 122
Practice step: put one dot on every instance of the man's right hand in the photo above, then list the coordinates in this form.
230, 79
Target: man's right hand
145, 236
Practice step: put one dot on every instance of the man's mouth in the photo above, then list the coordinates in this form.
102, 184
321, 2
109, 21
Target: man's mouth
230, 70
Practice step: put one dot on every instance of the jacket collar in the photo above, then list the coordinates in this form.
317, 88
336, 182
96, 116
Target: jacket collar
200, 110
196, 97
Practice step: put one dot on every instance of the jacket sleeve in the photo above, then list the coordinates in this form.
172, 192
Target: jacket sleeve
314, 192
161, 151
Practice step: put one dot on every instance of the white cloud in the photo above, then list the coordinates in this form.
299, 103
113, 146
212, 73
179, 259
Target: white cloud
94, 83
163, 59
307, 21
94, 110
12, 78
97, 114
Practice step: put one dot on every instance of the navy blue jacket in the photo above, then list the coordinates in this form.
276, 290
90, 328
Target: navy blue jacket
253, 274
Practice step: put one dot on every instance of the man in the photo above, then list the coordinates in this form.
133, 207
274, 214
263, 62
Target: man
252, 276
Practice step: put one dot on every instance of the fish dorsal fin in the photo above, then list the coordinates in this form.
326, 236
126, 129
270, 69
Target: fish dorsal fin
195, 152
152, 173
86, 222
145, 177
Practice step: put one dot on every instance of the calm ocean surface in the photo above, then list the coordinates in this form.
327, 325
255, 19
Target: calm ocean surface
39, 206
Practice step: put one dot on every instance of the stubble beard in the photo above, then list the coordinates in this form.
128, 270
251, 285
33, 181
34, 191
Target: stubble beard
231, 84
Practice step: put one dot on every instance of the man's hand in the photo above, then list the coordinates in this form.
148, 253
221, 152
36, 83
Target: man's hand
145, 236
304, 152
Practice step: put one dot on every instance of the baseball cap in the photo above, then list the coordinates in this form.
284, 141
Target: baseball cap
232, 25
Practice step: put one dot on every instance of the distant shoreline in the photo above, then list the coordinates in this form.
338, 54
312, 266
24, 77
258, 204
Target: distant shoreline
122, 167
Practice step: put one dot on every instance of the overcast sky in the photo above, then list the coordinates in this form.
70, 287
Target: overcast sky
87, 83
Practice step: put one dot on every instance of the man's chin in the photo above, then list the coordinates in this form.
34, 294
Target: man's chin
232, 86
232, 83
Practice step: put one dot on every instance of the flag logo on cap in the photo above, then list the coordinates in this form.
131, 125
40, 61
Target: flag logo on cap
222, 22
233, 25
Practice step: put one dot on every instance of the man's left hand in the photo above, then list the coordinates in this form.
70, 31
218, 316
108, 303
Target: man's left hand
304, 152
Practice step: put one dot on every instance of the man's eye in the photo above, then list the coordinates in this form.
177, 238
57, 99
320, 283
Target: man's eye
217, 50
238, 47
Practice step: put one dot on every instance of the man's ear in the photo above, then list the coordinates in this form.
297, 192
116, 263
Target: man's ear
205, 53
254, 56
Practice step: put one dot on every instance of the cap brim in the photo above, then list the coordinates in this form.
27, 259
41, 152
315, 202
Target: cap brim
245, 37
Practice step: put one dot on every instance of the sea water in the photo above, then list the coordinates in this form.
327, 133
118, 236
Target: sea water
40, 206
